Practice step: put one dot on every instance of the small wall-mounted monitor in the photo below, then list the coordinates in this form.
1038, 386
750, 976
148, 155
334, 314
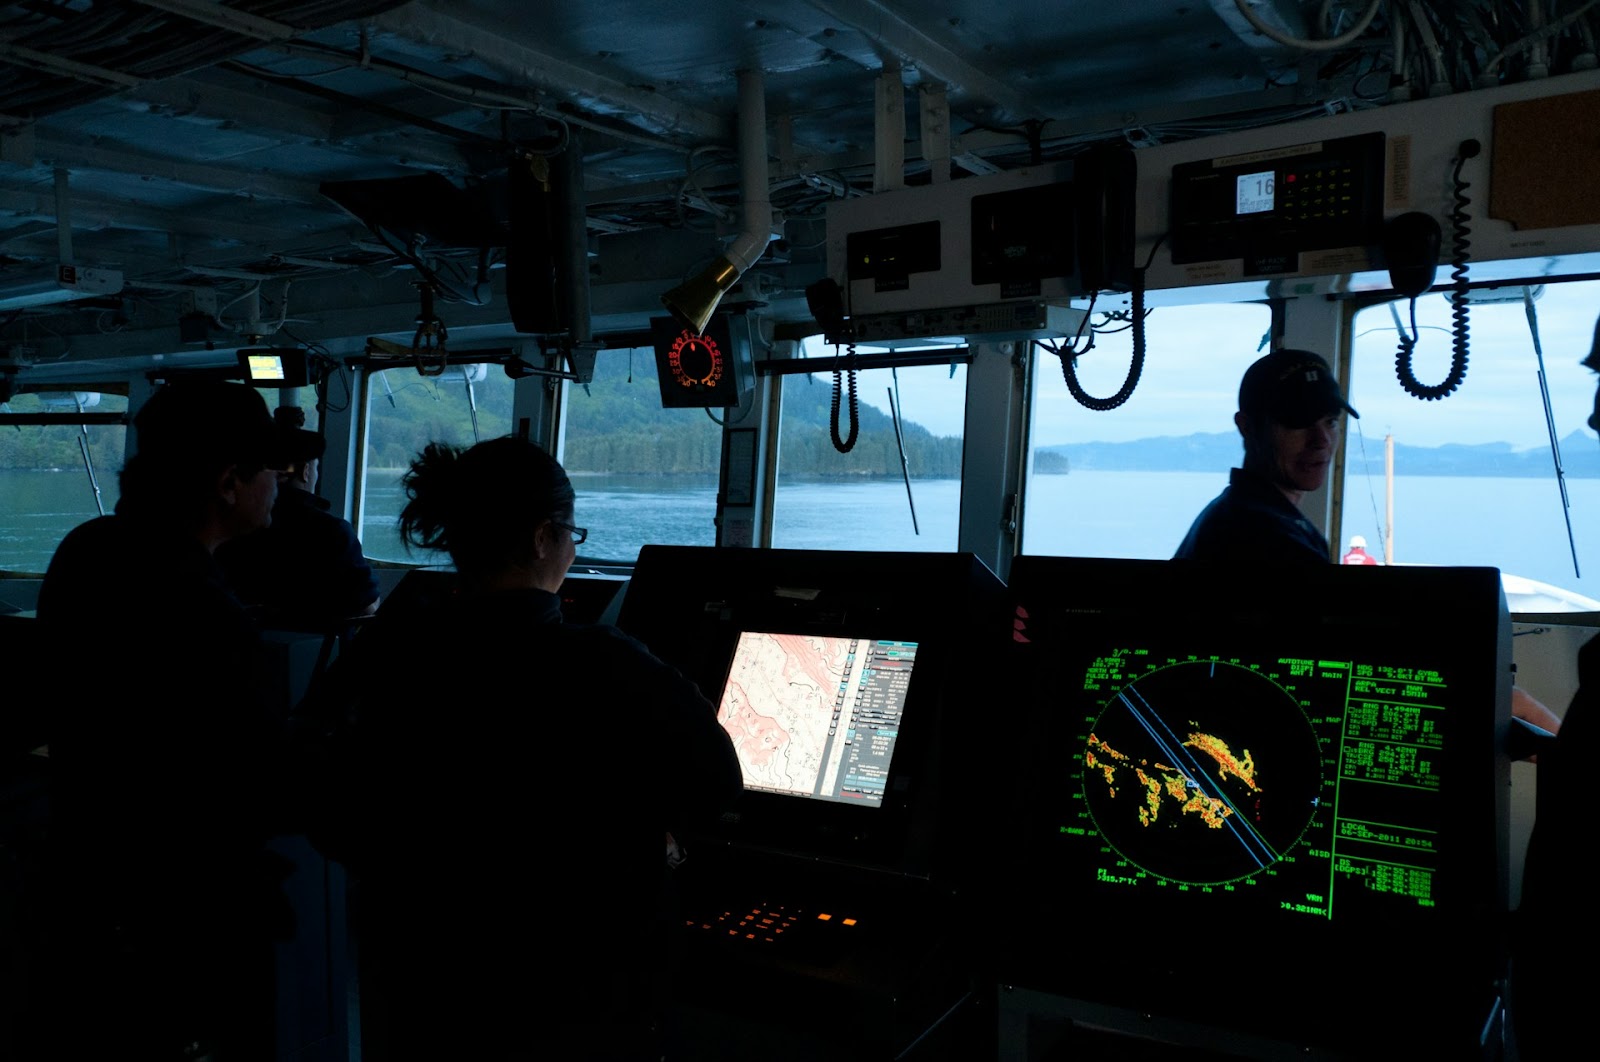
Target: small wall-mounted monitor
274, 366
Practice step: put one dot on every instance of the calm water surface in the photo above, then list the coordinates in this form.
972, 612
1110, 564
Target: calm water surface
1512, 524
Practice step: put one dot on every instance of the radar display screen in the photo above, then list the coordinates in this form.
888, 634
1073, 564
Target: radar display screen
1301, 779
1316, 780
815, 716
1294, 752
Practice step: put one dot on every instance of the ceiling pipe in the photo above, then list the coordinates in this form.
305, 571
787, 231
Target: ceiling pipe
63, 217
694, 301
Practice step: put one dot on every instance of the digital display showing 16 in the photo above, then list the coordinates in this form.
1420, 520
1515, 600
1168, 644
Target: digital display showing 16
1254, 192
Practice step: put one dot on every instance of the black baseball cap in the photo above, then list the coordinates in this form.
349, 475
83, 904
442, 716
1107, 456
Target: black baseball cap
305, 446
1296, 388
208, 423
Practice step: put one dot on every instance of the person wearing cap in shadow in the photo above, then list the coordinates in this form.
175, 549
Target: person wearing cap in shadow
1289, 411
164, 757
1289, 414
306, 569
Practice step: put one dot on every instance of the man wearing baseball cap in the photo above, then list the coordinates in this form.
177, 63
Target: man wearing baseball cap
166, 775
306, 570
1289, 414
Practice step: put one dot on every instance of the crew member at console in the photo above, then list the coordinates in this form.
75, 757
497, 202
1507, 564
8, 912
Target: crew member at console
1289, 411
1552, 995
306, 570
501, 783
163, 797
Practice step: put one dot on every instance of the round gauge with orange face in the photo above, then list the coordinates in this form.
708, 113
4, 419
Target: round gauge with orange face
695, 361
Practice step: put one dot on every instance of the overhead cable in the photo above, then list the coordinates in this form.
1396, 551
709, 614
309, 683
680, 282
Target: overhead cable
1323, 45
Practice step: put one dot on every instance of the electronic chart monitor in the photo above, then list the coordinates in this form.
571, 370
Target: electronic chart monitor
836, 674
817, 716
1263, 799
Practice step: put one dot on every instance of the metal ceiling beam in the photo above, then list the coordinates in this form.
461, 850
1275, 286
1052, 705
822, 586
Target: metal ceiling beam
880, 22
17, 55
208, 99
227, 18
53, 149
489, 44
91, 212
137, 264
203, 97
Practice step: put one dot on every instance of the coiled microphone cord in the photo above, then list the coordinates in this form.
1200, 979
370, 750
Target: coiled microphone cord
1460, 254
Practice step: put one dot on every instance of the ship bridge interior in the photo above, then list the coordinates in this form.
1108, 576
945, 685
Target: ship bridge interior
378, 185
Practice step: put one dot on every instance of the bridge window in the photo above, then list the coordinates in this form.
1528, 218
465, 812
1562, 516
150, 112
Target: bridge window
1474, 478
405, 412
49, 474
1129, 481
642, 473
867, 498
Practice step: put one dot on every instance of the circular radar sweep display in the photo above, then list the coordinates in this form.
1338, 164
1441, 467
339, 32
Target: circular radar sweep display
1202, 772
695, 361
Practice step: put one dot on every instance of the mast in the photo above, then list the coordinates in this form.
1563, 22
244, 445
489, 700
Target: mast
1388, 499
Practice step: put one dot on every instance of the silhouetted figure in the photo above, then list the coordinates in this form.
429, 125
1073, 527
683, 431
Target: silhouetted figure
163, 756
306, 571
500, 784
1552, 990
1289, 410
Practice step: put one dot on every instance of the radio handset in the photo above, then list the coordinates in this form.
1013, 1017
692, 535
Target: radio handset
1411, 252
1105, 187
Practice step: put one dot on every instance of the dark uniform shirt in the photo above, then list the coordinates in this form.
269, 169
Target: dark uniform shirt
1552, 994
1250, 523
306, 570
162, 757
500, 783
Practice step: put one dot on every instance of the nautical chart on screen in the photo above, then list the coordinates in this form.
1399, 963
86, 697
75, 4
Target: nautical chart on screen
816, 716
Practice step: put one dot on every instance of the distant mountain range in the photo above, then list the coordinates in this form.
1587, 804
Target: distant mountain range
1212, 452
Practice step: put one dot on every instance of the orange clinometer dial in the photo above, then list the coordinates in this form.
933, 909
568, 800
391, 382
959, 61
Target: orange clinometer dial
695, 361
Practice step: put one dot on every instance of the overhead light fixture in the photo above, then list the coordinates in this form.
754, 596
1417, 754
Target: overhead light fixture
68, 284
695, 300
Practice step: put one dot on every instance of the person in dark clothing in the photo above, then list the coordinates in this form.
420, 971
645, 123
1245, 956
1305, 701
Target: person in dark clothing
1551, 991
1551, 994
306, 570
162, 801
1289, 411
500, 784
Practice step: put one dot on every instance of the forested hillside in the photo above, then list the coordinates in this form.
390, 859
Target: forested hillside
57, 446
619, 427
